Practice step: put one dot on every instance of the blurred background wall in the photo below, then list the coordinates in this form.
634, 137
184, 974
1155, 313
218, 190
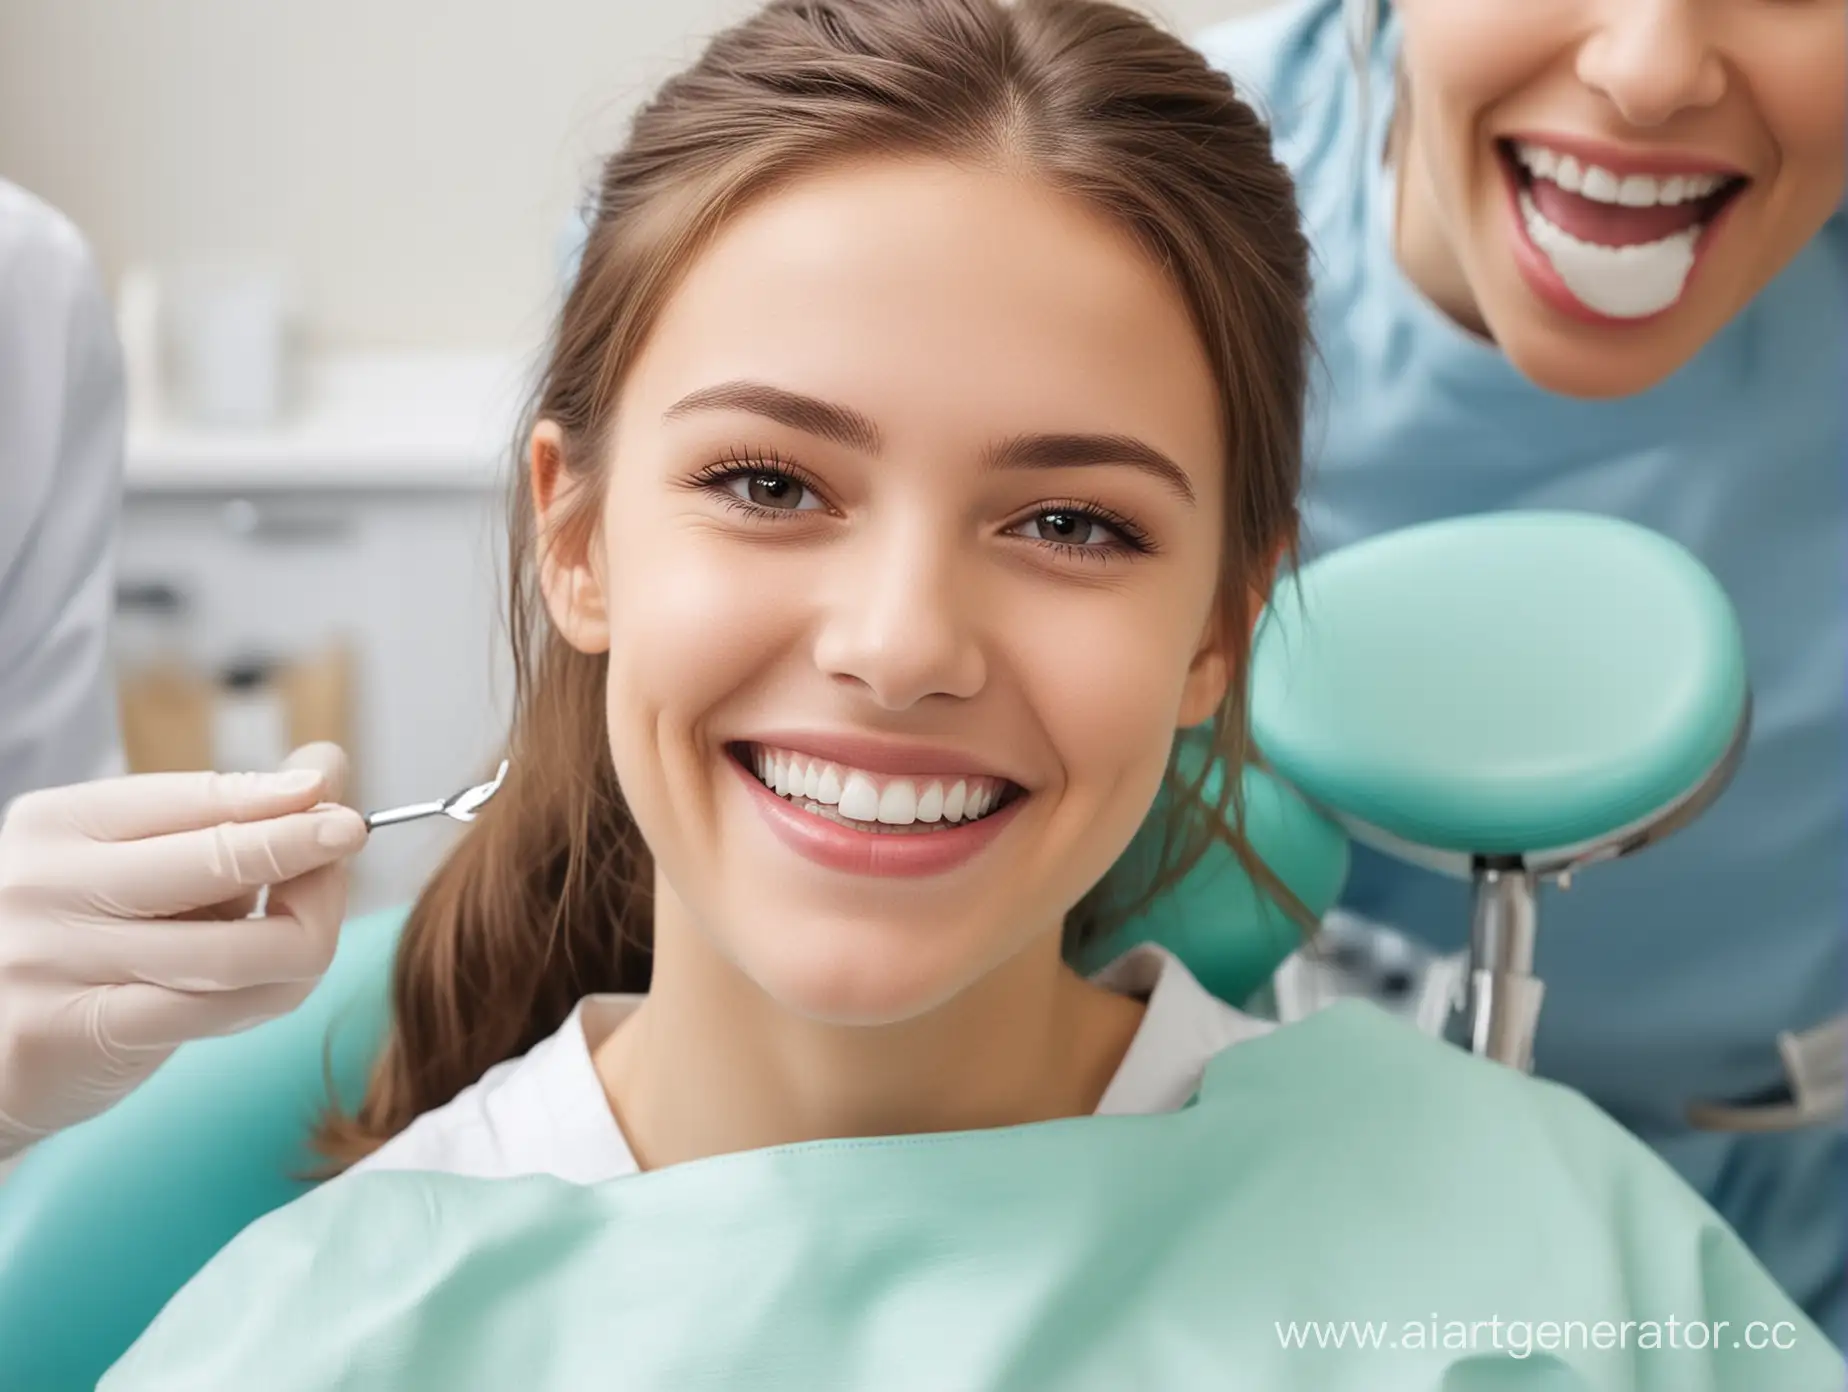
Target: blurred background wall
410, 159
334, 231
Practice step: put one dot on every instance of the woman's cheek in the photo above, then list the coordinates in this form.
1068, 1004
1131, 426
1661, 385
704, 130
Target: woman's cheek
695, 617
1106, 672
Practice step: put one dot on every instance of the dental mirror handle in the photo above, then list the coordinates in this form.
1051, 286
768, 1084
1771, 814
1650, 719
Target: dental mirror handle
393, 816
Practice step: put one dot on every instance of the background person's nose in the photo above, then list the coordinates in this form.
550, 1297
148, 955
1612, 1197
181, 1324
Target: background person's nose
1653, 59
900, 624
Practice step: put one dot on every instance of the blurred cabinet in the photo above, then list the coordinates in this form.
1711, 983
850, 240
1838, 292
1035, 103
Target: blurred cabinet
337, 575
377, 609
333, 575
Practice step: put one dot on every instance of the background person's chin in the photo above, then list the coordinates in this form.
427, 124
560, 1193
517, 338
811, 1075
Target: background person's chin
1592, 364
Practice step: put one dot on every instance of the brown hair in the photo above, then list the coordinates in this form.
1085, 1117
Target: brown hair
549, 896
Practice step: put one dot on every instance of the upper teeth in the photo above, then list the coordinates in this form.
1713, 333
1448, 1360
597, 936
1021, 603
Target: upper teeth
873, 797
1602, 186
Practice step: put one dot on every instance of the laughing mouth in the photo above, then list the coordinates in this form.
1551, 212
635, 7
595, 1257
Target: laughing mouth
1624, 245
876, 802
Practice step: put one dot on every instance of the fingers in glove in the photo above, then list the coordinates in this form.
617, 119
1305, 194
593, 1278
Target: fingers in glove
181, 873
330, 761
327, 759
161, 804
134, 1018
195, 956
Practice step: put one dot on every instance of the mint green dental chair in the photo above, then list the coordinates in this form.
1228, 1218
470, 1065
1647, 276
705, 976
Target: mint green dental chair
1509, 698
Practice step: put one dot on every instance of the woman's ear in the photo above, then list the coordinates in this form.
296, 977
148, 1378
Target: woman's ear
1211, 673
570, 576
1207, 679
1266, 586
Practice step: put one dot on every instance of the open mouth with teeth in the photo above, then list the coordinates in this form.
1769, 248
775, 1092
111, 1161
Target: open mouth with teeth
874, 802
1622, 245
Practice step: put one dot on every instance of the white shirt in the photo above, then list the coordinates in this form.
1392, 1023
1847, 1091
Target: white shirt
62, 406
546, 1113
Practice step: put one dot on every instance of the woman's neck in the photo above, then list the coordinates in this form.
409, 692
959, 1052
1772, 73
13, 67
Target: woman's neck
710, 1064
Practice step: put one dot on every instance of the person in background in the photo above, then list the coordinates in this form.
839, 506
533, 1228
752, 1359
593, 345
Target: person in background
120, 899
1592, 255
62, 413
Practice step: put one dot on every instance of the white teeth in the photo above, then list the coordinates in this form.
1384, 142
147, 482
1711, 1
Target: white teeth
1638, 191
930, 802
954, 801
859, 798
870, 798
898, 804
1602, 186
1628, 282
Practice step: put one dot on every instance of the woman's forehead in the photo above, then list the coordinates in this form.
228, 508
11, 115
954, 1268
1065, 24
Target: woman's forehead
910, 289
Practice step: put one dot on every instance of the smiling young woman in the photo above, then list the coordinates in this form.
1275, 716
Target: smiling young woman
864, 575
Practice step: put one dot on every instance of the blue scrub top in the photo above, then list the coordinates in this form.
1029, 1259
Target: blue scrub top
1668, 975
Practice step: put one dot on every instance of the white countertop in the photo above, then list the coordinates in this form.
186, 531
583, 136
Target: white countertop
381, 420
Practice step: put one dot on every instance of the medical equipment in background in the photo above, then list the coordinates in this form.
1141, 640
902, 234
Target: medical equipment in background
1353, 956
1509, 699
1476, 693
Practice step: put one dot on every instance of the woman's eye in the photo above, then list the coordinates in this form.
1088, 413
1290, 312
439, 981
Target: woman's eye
772, 492
1067, 528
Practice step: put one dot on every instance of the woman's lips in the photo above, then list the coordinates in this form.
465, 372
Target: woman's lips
895, 854
1607, 296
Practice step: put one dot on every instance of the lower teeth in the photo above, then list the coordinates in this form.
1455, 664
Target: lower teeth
1630, 282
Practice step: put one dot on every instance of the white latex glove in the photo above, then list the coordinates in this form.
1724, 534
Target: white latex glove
123, 928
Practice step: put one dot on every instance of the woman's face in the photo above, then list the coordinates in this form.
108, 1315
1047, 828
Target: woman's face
1600, 185
907, 570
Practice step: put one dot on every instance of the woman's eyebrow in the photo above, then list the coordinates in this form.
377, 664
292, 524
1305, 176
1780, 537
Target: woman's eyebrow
1068, 451
809, 414
846, 426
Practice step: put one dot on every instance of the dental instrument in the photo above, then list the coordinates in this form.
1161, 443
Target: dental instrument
460, 807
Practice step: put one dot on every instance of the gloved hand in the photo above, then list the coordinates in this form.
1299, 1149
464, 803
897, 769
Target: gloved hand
124, 928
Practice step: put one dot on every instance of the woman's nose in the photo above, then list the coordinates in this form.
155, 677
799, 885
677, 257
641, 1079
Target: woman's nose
1653, 59
899, 623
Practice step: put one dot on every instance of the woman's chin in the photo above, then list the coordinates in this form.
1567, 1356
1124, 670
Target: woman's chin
861, 974
1576, 363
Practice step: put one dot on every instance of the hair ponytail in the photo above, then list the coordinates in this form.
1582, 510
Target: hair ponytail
546, 899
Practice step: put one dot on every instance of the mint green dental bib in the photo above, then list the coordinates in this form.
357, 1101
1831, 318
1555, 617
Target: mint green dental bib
1340, 1169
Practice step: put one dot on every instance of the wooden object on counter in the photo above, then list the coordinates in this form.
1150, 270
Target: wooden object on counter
166, 718
318, 692
169, 709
